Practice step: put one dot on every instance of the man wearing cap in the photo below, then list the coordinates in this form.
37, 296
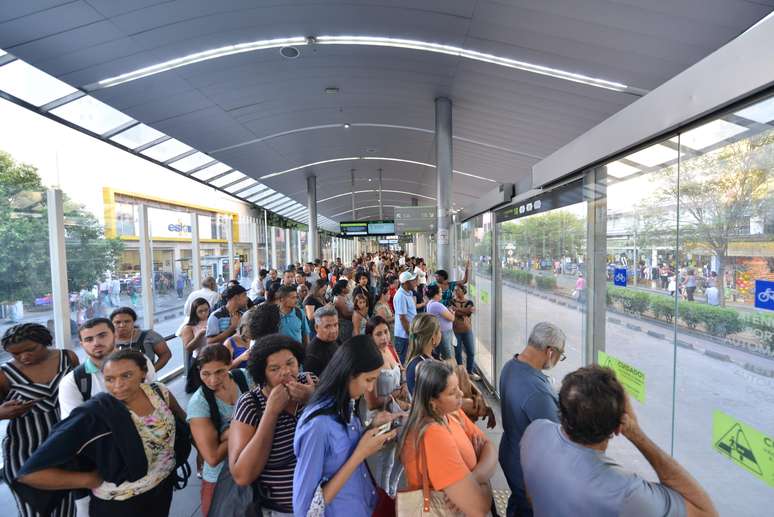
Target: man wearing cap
405, 310
223, 323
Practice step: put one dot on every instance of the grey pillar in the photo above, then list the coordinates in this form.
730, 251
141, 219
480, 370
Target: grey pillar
381, 203
595, 191
352, 179
266, 239
443, 168
146, 269
58, 255
230, 240
313, 239
274, 264
288, 257
254, 248
196, 254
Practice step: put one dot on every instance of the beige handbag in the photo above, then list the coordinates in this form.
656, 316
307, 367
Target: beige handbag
423, 502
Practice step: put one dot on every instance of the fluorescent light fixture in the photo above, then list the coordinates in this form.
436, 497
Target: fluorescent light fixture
363, 208
227, 179
281, 205
354, 158
375, 190
91, 114
321, 162
137, 136
374, 41
191, 162
653, 155
197, 57
26, 82
620, 170
2, 52
211, 171
710, 133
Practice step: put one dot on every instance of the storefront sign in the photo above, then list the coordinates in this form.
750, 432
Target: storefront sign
619, 276
764, 295
632, 379
745, 446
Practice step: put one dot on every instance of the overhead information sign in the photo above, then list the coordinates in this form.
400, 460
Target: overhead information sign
745, 446
381, 228
415, 219
632, 379
353, 228
565, 195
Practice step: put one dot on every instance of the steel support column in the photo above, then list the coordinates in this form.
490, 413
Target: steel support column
313, 239
196, 254
443, 167
146, 269
595, 192
58, 255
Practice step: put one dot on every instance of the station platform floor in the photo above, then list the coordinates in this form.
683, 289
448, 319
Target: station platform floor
186, 502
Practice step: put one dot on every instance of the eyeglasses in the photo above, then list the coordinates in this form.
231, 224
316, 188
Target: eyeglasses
562, 355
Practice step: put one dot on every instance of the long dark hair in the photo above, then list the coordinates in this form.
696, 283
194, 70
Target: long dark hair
357, 355
193, 319
208, 354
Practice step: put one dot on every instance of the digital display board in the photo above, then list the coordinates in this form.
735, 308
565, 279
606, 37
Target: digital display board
353, 228
381, 228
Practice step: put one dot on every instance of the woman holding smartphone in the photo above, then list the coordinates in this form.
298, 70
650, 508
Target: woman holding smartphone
29, 388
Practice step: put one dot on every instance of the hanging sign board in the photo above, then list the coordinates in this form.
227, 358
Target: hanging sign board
565, 195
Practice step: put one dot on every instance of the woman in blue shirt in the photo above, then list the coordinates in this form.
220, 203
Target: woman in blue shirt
331, 446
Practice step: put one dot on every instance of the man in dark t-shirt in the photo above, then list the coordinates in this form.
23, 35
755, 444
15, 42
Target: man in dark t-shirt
324, 345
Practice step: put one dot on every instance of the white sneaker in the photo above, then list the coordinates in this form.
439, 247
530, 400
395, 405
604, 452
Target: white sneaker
474, 377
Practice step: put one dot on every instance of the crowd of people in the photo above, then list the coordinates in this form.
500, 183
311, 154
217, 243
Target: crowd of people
333, 390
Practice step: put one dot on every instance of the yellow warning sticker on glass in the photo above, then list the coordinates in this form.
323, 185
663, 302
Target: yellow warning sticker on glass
745, 446
484, 296
632, 379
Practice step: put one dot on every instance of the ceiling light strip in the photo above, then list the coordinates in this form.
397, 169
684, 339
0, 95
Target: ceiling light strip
375, 41
375, 190
383, 158
363, 208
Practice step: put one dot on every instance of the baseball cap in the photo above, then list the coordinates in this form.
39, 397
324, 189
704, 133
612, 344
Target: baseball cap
406, 276
232, 291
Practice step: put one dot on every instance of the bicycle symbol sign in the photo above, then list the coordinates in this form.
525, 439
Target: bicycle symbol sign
619, 277
764, 294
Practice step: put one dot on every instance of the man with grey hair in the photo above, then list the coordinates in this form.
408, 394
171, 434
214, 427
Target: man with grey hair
326, 342
527, 395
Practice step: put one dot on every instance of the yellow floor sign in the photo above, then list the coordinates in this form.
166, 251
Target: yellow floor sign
745, 446
632, 379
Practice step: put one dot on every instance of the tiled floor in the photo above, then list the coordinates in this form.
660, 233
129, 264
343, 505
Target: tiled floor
185, 503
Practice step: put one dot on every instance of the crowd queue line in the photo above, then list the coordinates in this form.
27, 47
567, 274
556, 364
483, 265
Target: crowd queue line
332, 391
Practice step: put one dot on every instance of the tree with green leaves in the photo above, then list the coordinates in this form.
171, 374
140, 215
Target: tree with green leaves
718, 192
551, 235
25, 271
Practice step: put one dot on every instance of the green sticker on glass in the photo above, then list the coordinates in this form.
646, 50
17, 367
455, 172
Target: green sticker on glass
472, 290
484, 296
632, 379
745, 446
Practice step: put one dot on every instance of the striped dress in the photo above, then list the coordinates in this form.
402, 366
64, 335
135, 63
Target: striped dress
27, 432
276, 479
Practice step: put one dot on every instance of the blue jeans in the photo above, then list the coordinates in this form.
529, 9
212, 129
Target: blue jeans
401, 346
466, 339
444, 349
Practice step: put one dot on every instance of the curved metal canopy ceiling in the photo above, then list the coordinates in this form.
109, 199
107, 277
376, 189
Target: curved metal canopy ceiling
200, 87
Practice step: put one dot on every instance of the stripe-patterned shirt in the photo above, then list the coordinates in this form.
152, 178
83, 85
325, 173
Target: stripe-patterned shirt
276, 480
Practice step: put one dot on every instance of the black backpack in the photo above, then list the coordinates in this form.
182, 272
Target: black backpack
82, 381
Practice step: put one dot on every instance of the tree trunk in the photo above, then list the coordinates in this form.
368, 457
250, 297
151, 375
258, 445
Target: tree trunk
721, 282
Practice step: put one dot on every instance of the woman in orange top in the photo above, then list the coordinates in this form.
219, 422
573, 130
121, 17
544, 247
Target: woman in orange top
460, 459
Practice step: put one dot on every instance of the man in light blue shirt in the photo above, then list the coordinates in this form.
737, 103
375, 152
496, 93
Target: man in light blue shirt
405, 305
568, 472
293, 323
